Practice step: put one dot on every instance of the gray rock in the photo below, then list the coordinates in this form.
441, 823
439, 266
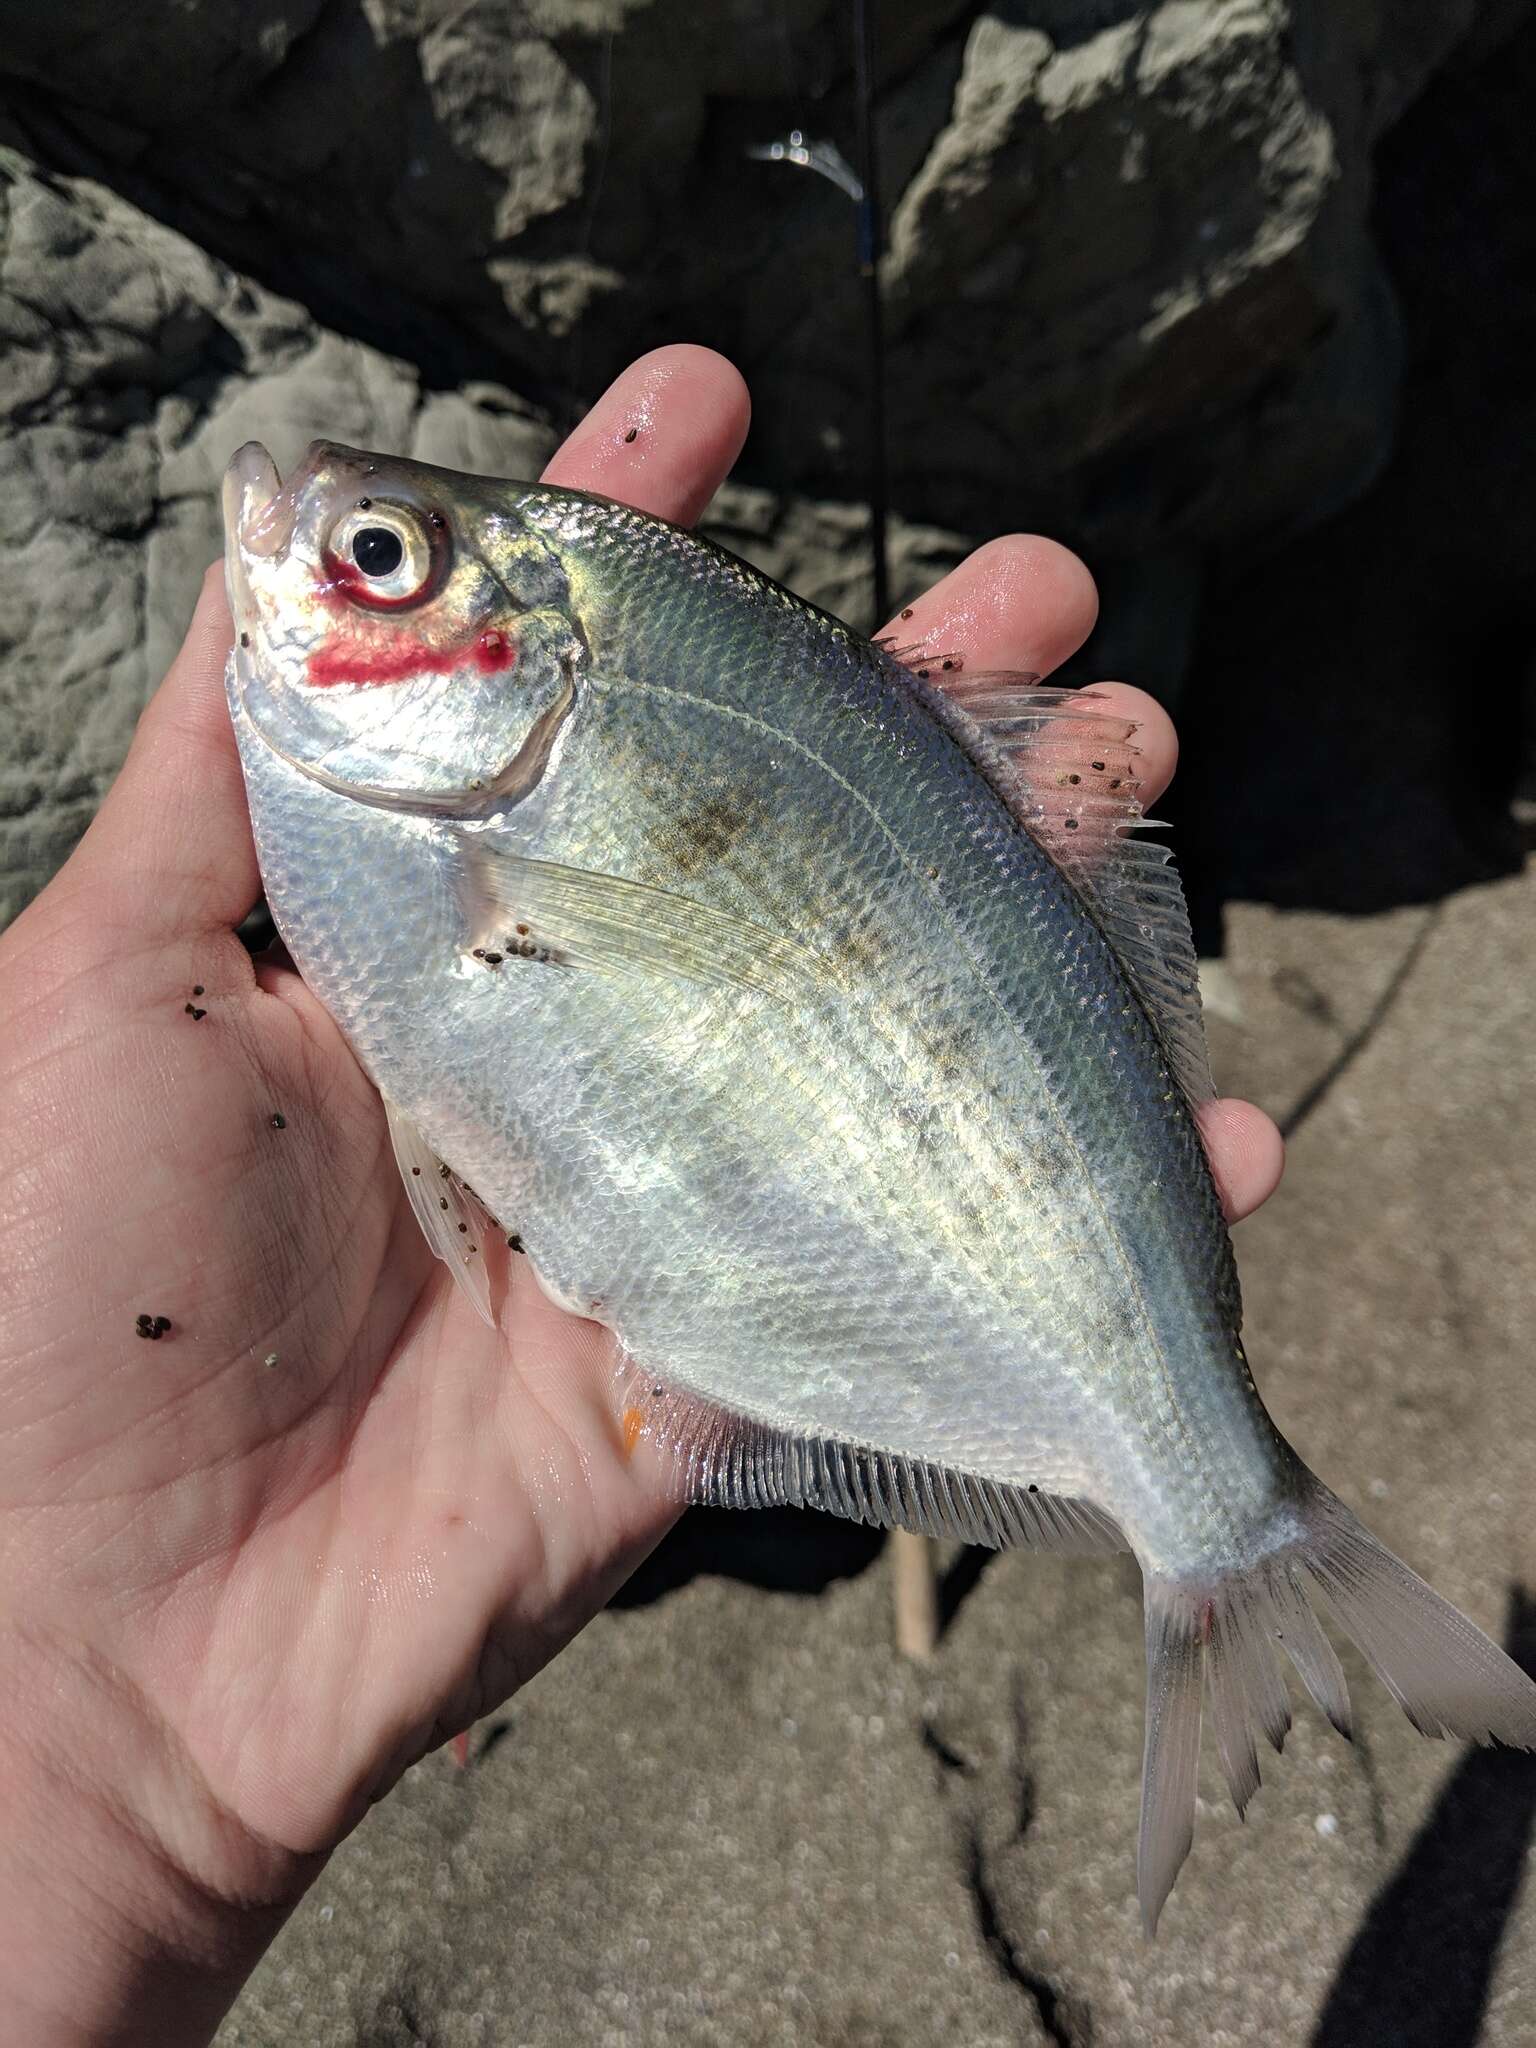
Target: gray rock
1131, 294
1129, 274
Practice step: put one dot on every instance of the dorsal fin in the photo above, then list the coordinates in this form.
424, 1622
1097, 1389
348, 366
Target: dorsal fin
1065, 761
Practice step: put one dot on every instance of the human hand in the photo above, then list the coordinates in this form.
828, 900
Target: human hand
250, 1571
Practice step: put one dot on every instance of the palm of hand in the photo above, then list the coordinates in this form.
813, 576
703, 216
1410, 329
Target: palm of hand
303, 1573
314, 1568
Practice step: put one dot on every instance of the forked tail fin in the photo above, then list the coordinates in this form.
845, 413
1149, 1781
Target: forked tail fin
1446, 1675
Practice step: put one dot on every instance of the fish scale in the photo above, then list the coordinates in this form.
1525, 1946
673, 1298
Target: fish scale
838, 1049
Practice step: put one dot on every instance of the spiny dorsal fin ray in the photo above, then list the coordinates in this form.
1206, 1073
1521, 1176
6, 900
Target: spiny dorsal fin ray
1065, 760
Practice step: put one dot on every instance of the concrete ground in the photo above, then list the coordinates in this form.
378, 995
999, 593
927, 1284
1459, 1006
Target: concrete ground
732, 1814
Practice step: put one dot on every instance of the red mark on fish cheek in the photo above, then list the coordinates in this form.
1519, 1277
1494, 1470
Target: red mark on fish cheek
401, 658
349, 661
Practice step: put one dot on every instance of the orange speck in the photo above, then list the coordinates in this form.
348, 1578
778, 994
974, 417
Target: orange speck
634, 1422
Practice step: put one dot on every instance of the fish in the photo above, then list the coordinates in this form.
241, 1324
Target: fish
831, 1037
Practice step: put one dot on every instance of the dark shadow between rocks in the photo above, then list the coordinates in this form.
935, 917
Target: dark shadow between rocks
1356, 720
1419, 1971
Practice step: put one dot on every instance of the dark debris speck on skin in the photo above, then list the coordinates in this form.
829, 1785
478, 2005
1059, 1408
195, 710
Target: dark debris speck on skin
630, 436
279, 1121
152, 1327
197, 989
514, 1242
191, 1010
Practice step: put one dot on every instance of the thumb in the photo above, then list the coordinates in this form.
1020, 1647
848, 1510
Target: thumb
173, 837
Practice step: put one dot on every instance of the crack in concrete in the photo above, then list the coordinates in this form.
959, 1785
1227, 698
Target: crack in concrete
1350, 1051
1064, 2020
1370, 1773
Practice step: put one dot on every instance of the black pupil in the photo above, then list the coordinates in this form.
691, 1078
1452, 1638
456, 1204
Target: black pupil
377, 551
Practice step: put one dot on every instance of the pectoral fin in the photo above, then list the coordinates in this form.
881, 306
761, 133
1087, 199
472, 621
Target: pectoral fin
451, 1220
578, 918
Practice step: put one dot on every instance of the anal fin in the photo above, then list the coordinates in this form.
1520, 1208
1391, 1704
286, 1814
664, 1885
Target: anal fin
720, 1458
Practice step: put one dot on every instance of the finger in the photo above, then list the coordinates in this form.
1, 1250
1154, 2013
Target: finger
1154, 737
663, 435
174, 827
1246, 1151
1022, 602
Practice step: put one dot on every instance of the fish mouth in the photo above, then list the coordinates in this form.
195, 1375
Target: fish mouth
258, 512
258, 522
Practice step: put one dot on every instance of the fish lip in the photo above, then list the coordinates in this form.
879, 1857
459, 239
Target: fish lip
253, 526
258, 513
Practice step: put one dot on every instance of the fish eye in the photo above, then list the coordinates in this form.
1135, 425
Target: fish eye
384, 554
377, 550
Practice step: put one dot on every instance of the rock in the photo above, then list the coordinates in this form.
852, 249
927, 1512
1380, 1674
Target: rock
162, 65
1130, 283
